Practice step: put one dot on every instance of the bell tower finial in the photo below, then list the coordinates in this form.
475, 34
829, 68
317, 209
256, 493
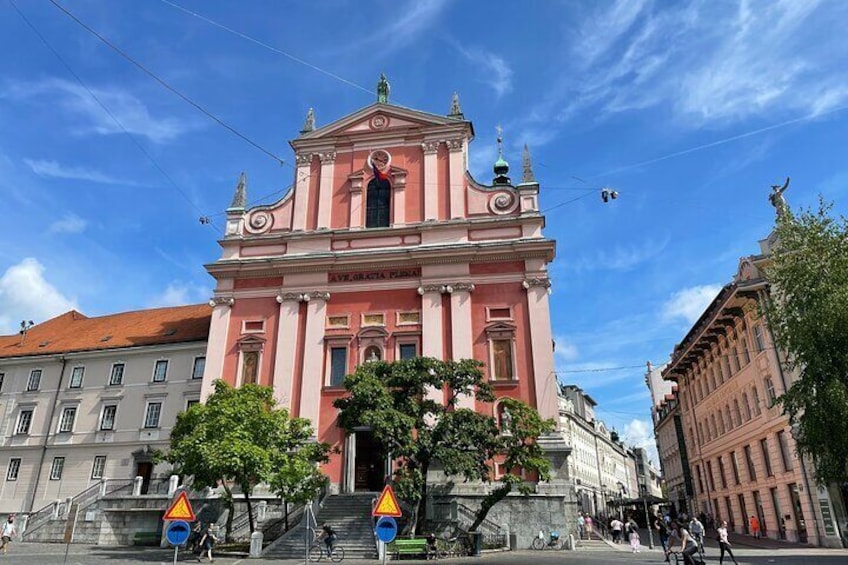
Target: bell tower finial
240, 196
455, 110
383, 89
527, 167
501, 167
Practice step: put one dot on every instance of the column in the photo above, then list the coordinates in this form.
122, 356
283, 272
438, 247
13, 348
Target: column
217, 344
430, 181
313, 357
301, 191
325, 190
285, 348
431, 329
540, 339
457, 176
461, 342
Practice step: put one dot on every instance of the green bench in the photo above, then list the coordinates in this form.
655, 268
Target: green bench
146, 538
414, 546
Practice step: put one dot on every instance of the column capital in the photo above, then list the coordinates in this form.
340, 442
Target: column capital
528, 283
447, 288
327, 157
316, 295
221, 301
289, 297
303, 159
430, 147
302, 296
454, 144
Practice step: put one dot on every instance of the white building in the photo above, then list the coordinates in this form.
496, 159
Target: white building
82, 399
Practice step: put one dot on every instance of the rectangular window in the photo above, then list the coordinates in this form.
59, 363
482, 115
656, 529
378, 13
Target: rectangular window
502, 359
408, 351
770, 394
710, 481
500, 313
160, 371
734, 358
14, 469
190, 403
66, 423
34, 381
756, 398
56, 468
76, 377
735, 465
151, 416
700, 479
199, 367
759, 338
254, 326
785, 454
746, 357
24, 422
107, 420
725, 368
778, 512
766, 460
98, 467
730, 514
749, 461
720, 464
2, 378
117, 376
338, 365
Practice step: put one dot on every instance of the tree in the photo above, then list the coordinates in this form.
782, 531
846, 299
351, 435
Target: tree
392, 399
808, 315
240, 436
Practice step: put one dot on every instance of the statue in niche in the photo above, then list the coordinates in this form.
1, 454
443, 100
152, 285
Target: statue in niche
373, 354
506, 421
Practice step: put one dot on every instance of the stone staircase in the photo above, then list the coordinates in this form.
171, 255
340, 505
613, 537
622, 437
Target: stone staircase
350, 517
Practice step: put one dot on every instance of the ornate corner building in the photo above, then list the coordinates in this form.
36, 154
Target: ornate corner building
385, 248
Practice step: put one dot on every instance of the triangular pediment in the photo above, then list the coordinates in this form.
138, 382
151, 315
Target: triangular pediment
378, 118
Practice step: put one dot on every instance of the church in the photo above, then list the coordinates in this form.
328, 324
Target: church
385, 248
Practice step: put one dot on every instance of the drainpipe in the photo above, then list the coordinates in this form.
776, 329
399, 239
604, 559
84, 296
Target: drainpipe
764, 296
51, 412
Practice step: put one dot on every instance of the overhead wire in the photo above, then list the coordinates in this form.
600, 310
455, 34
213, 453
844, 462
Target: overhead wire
106, 109
166, 85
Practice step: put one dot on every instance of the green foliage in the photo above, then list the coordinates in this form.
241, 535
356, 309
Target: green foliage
240, 436
392, 399
808, 316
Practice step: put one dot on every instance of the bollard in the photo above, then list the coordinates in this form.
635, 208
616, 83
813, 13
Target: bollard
137, 482
570, 541
261, 511
173, 484
256, 545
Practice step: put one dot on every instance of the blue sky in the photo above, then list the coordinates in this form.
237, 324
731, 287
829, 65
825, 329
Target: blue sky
689, 110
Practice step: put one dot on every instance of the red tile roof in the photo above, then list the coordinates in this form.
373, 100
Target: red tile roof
73, 331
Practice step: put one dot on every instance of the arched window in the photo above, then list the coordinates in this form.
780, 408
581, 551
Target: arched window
378, 203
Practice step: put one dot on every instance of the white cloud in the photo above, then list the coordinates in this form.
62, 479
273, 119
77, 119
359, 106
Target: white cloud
621, 257
639, 433
402, 26
26, 295
131, 112
688, 304
181, 293
53, 169
496, 72
565, 350
70, 223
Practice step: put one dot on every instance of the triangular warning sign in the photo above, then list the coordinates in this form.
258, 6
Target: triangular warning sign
180, 509
387, 504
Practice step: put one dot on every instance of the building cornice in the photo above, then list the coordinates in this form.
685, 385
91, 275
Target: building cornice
99, 353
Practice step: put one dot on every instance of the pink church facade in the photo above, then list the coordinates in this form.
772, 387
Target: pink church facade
385, 248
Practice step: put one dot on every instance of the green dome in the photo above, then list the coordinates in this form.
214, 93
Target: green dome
501, 166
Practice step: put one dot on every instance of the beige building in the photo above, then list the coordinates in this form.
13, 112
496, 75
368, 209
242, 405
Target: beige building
83, 399
740, 445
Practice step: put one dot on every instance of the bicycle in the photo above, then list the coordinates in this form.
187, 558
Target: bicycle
699, 539
457, 546
679, 560
318, 550
540, 544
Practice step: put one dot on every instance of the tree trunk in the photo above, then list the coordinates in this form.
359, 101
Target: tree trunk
231, 508
420, 513
246, 492
488, 502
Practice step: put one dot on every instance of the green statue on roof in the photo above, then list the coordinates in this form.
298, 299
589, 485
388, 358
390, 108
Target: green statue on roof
383, 89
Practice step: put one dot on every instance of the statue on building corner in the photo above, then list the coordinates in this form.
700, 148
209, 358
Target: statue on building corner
777, 200
383, 89
309, 124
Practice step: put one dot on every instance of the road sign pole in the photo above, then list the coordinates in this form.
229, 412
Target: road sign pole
176, 551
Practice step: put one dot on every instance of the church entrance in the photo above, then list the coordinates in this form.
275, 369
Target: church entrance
369, 467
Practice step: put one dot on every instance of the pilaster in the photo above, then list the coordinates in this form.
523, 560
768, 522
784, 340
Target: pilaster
430, 181
301, 191
325, 192
219, 327
431, 328
313, 356
461, 335
544, 377
457, 174
286, 347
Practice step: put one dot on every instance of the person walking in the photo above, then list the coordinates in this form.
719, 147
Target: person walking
724, 544
588, 522
755, 527
615, 527
207, 542
9, 531
633, 535
696, 528
581, 525
662, 530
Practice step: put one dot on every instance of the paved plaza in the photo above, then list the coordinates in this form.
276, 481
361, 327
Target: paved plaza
54, 554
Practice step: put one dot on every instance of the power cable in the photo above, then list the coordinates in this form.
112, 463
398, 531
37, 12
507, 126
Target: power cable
167, 86
269, 47
108, 112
